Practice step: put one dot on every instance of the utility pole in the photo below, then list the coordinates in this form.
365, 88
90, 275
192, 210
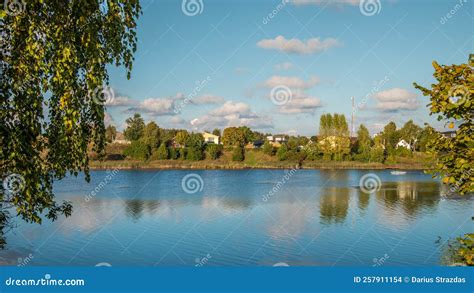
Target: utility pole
352, 116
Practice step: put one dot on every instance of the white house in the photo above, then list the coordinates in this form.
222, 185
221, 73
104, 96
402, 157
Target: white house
404, 144
211, 138
120, 139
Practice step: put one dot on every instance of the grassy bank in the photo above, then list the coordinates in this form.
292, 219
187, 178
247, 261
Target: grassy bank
256, 159
208, 164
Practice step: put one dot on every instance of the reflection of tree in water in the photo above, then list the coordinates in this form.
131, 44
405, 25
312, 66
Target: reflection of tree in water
333, 205
134, 208
411, 196
363, 201
237, 203
329, 177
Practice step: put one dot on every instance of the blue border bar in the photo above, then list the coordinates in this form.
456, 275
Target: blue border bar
251, 279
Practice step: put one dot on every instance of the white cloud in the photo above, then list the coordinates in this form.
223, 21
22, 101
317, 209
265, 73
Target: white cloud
232, 108
300, 103
119, 101
310, 46
284, 66
294, 83
326, 2
169, 105
396, 99
232, 114
156, 106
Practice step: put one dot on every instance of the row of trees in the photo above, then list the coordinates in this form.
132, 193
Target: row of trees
149, 141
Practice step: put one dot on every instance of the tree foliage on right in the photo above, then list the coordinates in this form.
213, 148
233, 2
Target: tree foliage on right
452, 99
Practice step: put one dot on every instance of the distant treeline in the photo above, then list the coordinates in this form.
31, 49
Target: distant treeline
150, 142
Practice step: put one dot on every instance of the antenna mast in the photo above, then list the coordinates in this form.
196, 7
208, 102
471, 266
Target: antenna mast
352, 116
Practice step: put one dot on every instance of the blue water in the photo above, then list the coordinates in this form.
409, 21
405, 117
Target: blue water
229, 218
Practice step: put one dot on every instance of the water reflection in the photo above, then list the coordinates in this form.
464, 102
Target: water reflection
311, 211
333, 205
410, 196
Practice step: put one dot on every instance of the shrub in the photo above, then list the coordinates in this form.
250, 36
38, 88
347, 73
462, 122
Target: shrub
161, 153
312, 152
137, 150
214, 151
460, 251
377, 154
194, 154
174, 153
268, 149
238, 154
282, 153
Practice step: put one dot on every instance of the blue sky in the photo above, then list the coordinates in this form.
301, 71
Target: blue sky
277, 66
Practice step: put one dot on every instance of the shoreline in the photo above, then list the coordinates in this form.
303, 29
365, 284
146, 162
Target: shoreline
215, 165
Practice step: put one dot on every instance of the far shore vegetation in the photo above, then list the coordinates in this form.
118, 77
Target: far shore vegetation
149, 146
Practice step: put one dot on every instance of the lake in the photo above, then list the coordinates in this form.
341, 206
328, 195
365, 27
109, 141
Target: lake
245, 218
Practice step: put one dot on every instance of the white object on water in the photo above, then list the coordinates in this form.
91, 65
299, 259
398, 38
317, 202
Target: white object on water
398, 172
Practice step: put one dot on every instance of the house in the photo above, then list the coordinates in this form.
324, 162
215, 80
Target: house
257, 143
211, 138
449, 134
120, 139
280, 138
254, 145
404, 144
